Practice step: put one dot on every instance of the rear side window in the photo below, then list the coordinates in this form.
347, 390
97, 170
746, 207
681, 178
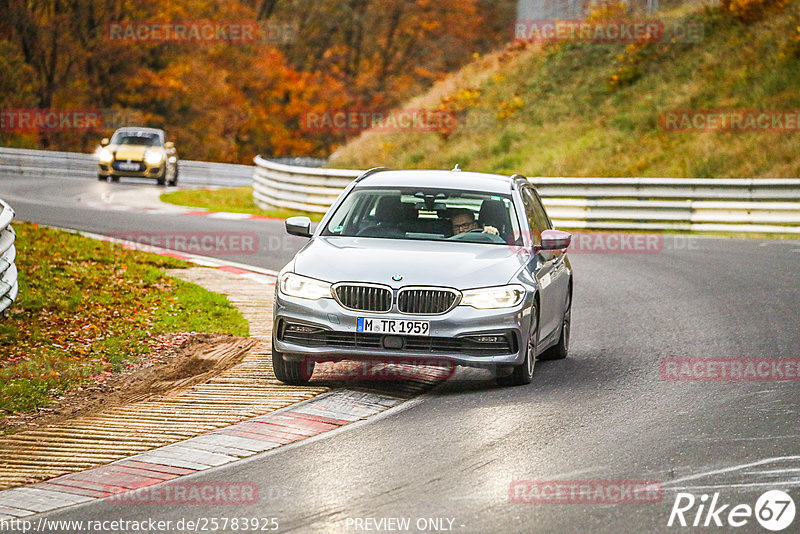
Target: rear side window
534, 211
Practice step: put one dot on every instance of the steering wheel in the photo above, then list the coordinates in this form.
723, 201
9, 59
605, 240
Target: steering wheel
481, 237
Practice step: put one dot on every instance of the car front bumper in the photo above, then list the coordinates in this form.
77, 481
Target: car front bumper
332, 334
146, 170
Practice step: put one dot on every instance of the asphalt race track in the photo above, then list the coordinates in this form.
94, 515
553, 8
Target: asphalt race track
447, 460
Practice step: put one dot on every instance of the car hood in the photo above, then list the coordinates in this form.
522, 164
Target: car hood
450, 264
129, 151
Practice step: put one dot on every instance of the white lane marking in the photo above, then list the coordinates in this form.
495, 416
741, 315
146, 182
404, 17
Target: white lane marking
773, 471
776, 484
728, 469
754, 438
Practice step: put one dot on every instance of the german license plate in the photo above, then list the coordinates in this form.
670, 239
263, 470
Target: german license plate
125, 166
393, 326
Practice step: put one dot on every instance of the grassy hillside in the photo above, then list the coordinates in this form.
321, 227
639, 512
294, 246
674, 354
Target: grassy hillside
590, 109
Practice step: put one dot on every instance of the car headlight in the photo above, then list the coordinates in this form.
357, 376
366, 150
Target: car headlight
493, 297
106, 156
303, 287
154, 157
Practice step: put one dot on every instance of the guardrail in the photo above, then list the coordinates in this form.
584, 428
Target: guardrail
8, 271
767, 205
50, 163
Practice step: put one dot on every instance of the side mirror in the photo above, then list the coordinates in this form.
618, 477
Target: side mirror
554, 240
169, 144
104, 141
299, 226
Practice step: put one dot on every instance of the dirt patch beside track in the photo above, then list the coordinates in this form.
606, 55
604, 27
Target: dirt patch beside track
177, 361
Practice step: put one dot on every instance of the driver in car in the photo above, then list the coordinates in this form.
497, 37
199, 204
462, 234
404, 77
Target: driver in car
463, 221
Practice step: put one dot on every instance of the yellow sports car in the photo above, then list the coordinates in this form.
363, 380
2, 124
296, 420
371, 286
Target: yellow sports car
140, 153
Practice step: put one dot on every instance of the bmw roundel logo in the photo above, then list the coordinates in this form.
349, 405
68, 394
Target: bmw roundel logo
397, 277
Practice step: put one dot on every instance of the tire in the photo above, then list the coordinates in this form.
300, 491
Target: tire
102, 178
560, 350
161, 179
115, 178
523, 373
294, 373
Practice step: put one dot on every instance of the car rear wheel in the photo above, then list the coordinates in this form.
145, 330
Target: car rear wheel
115, 178
523, 373
561, 350
295, 373
102, 178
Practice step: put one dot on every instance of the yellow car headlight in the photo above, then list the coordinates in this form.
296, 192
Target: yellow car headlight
106, 156
154, 157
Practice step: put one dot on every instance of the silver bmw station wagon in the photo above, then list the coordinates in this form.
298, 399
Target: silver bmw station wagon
463, 267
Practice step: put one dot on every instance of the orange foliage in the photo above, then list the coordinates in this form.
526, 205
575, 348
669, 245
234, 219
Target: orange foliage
231, 101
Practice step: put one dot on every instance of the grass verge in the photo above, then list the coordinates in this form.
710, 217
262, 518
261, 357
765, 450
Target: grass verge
595, 109
233, 200
87, 307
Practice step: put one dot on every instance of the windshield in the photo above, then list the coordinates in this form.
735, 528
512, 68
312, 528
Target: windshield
426, 214
140, 140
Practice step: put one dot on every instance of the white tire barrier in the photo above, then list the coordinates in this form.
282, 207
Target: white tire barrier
9, 286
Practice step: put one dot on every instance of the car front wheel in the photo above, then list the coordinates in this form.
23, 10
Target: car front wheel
292, 372
561, 349
523, 373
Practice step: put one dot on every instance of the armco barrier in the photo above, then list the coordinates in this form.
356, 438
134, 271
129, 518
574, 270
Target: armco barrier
770, 205
50, 163
8, 271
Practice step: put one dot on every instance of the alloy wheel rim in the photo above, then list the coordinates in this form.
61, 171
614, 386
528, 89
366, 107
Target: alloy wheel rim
567, 320
532, 347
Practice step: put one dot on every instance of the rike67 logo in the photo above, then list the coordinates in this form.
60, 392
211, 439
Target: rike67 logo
774, 510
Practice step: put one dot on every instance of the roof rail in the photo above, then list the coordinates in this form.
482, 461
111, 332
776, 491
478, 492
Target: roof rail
370, 171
